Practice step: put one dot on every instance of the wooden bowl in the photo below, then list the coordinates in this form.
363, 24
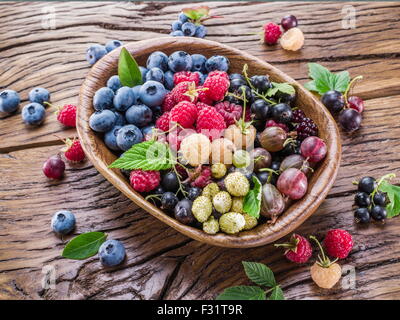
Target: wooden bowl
319, 184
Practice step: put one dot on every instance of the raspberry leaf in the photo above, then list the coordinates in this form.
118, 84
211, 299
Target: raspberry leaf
242, 293
84, 246
281, 87
259, 273
147, 155
393, 193
252, 200
128, 69
276, 294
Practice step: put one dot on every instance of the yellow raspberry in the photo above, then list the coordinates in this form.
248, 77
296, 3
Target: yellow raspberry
195, 149
292, 40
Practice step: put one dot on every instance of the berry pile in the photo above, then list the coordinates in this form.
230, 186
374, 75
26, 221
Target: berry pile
185, 26
211, 120
97, 51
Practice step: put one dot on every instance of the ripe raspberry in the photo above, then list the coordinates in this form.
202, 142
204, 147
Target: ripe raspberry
168, 103
162, 122
230, 112
272, 123
298, 249
218, 73
272, 33
203, 96
210, 122
201, 105
144, 181
338, 243
306, 128
185, 91
74, 151
184, 113
217, 87
298, 116
203, 179
67, 115
186, 76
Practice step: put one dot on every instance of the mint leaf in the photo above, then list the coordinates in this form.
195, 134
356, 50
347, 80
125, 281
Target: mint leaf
393, 193
242, 293
252, 200
84, 246
277, 294
259, 273
147, 155
128, 70
324, 80
281, 87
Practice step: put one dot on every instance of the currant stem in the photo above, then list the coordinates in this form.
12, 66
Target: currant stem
350, 85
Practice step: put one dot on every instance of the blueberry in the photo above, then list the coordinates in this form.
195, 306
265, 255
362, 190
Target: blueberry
110, 138
111, 253
180, 61
102, 121
124, 98
148, 130
170, 182
114, 83
9, 101
183, 18
378, 213
139, 115
261, 109
169, 80
199, 63
188, 29
157, 59
193, 193
379, 198
113, 44
177, 33
183, 212
157, 112
362, 199
217, 63
63, 222
95, 53
282, 113
33, 114
152, 93
39, 95
103, 99
143, 71
169, 201
176, 25
367, 184
119, 119
136, 90
260, 83
127, 136
362, 215
201, 31
155, 74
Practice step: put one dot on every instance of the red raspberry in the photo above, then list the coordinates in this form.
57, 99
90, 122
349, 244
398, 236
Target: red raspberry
210, 122
186, 76
144, 181
272, 123
272, 32
168, 103
203, 96
185, 91
184, 113
74, 151
218, 74
217, 87
338, 243
162, 122
230, 112
201, 105
298, 249
203, 179
67, 115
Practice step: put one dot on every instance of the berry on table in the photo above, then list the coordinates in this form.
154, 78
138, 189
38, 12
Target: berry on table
193, 193
127, 136
250, 221
288, 22
54, 167
210, 190
102, 121
210, 122
63, 222
152, 93
123, 99
94, 53
211, 226
273, 139
183, 17
113, 44
176, 25
184, 113
298, 249
350, 120
338, 243
9, 101
144, 181
237, 184
184, 76
261, 109
232, 222
220, 63
202, 208
168, 103
114, 83
333, 100
261, 83
157, 59
188, 29
103, 99
163, 121
67, 115
217, 87
378, 213
177, 33
111, 253
168, 80
203, 179
139, 115
195, 149
143, 72
33, 114
201, 31
356, 103
379, 198
272, 33
367, 185
362, 199
183, 212
180, 61
218, 170
362, 215
292, 40
73, 150
306, 128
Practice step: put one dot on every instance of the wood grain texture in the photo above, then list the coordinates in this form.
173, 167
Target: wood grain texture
161, 262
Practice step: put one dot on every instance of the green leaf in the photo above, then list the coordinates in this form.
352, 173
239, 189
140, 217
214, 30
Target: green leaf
311, 86
252, 200
128, 70
324, 80
84, 246
341, 81
393, 193
242, 293
147, 155
196, 13
276, 294
259, 273
281, 87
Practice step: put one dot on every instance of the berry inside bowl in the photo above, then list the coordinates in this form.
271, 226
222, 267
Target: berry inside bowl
319, 183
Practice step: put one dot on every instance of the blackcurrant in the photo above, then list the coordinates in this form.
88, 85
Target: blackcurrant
169, 201
362, 199
367, 184
285, 98
333, 100
362, 215
379, 198
170, 182
378, 213
350, 120
233, 76
193, 193
236, 83
275, 165
232, 99
247, 92
183, 212
282, 113
261, 109
263, 176
289, 22
260, 83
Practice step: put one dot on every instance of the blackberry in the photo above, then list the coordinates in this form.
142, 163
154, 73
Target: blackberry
298, 116
306, 128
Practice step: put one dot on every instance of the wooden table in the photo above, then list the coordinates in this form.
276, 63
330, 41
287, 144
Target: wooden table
161, 263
